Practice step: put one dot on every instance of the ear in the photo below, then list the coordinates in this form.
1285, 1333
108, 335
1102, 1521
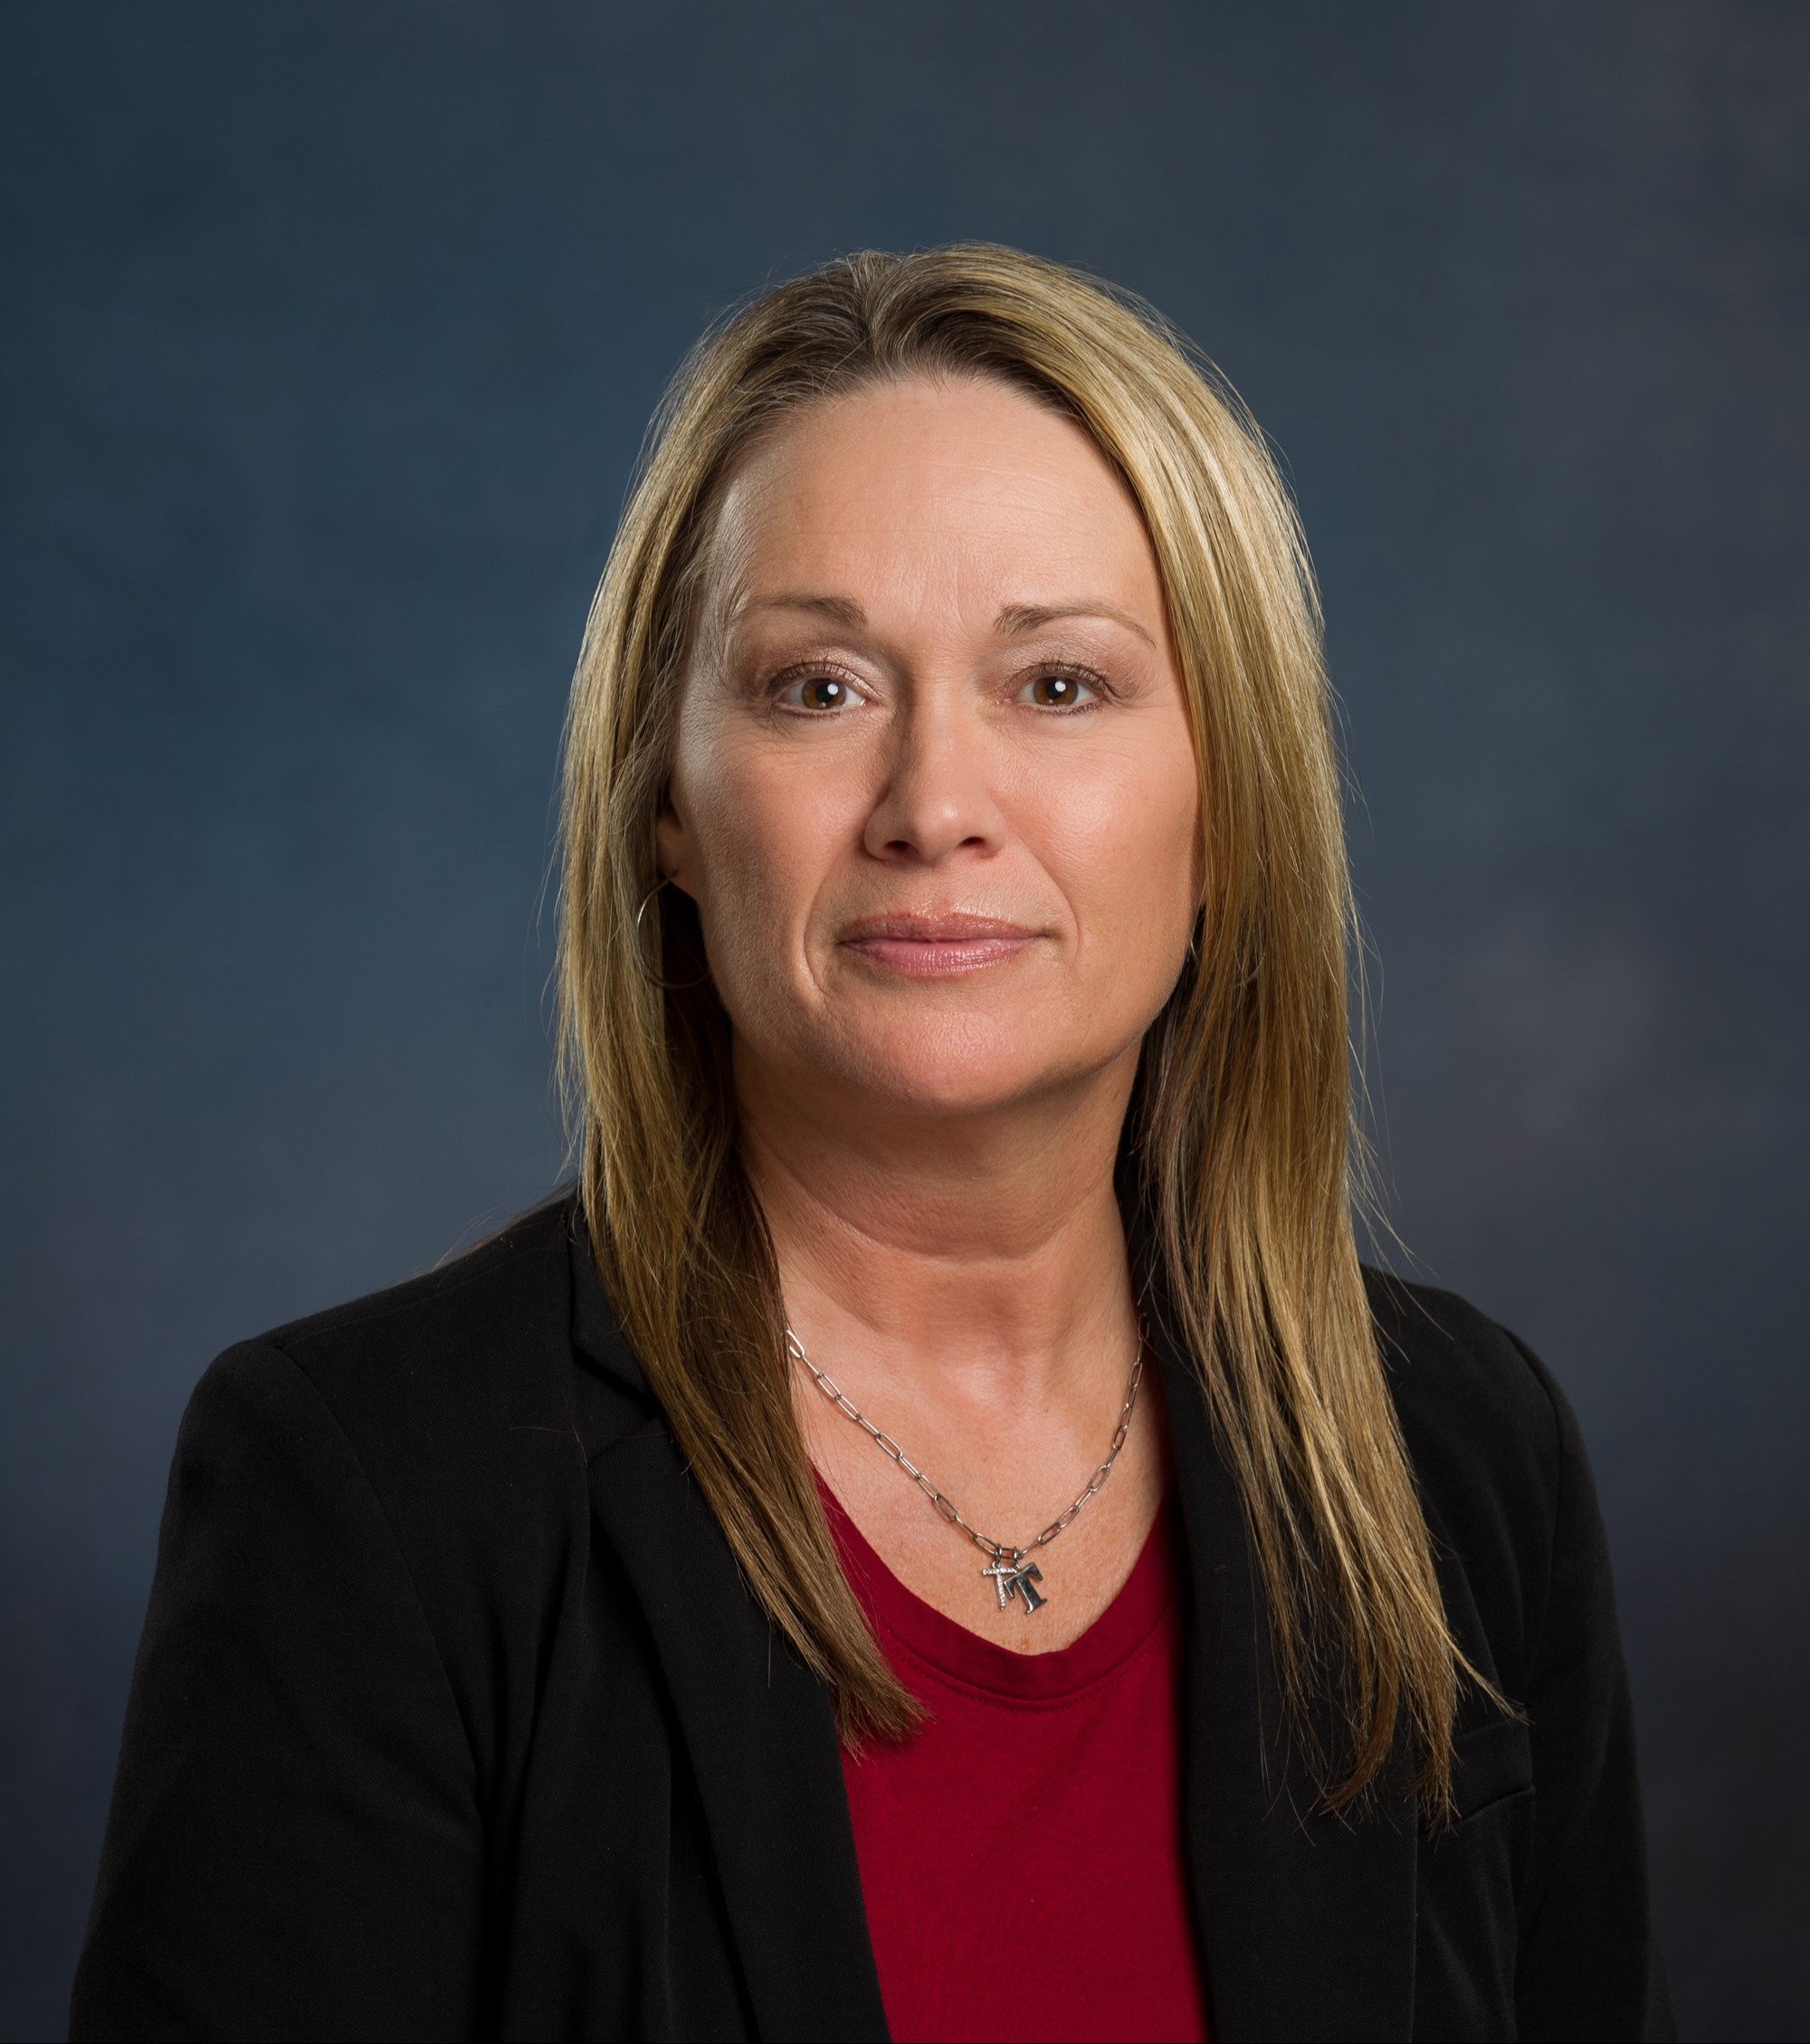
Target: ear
673, 845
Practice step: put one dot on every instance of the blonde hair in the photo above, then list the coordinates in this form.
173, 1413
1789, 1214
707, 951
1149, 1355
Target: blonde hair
1240, 1127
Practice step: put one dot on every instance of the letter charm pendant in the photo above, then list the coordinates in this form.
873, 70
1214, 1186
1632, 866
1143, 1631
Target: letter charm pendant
1014, 1578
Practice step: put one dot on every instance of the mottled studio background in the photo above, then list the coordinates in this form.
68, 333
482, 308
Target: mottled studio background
328, 336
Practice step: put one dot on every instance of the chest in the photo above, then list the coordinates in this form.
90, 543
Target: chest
1015, 1505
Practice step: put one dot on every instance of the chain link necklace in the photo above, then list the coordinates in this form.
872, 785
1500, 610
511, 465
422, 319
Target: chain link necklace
1013, 1574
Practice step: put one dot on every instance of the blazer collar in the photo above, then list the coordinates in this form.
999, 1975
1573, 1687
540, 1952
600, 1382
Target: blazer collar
756, 1726
1307, 1921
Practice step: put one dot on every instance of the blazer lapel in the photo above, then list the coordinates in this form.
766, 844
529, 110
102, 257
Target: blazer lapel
757, 1727
1307, 1921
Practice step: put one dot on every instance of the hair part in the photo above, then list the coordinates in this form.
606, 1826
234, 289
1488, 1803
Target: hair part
1240, 1131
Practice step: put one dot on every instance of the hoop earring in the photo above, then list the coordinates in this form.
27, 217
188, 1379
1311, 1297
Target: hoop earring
665, 986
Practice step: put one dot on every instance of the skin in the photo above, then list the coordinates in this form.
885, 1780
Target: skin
934, 792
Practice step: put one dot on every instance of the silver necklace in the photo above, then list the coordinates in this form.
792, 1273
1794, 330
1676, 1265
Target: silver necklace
1013, 1573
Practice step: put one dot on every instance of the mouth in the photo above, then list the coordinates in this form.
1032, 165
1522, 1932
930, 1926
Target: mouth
936, 946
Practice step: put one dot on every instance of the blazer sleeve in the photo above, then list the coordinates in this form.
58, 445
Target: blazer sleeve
294, 1848
1589, 1966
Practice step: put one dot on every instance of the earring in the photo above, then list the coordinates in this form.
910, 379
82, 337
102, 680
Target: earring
665, 986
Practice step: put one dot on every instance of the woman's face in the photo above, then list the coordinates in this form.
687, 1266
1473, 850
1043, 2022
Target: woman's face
934, 786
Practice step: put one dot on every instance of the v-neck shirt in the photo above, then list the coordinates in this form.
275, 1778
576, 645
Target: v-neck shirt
1022, 1855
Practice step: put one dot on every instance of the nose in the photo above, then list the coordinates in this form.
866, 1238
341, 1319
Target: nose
935, 799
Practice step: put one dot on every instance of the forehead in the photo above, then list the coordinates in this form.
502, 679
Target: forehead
934, 490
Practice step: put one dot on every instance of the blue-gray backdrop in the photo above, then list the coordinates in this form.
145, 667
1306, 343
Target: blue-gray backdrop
329, 334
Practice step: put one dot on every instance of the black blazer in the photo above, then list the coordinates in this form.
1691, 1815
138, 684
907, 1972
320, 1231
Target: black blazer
453, 1718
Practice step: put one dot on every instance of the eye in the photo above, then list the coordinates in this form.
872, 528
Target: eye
819, 693
1059, 691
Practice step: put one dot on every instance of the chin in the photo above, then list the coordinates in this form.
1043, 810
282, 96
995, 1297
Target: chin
963, 1066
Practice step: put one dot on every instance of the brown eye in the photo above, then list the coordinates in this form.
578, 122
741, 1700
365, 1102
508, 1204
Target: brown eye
1058, 692
820, 692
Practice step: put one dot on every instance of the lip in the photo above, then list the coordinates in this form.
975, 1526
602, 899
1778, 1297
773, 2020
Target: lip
938, 946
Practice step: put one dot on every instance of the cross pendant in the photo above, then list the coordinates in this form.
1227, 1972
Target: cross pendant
1010, 1578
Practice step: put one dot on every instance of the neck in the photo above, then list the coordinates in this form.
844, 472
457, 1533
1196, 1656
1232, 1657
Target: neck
986, 1250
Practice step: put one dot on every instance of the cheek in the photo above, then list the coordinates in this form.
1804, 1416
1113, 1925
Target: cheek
1124, 844
763, 836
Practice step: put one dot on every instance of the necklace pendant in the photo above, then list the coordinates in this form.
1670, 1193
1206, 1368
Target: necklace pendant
1015, 1578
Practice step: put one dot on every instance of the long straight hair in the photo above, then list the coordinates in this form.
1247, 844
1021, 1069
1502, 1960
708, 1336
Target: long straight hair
1241, 1128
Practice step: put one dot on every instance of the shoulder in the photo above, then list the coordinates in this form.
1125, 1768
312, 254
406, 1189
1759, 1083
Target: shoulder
1497, 1458
1469, 1395
434, 1393
437, 1425
475, 1322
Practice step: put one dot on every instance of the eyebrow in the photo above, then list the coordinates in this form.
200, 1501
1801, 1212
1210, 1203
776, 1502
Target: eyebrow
839, 610
1032, 617
1012, 621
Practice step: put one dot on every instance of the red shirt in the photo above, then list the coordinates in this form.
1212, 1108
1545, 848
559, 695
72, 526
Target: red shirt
1021, 1853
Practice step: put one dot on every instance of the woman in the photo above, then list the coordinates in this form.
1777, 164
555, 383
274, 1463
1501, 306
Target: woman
939, 1537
